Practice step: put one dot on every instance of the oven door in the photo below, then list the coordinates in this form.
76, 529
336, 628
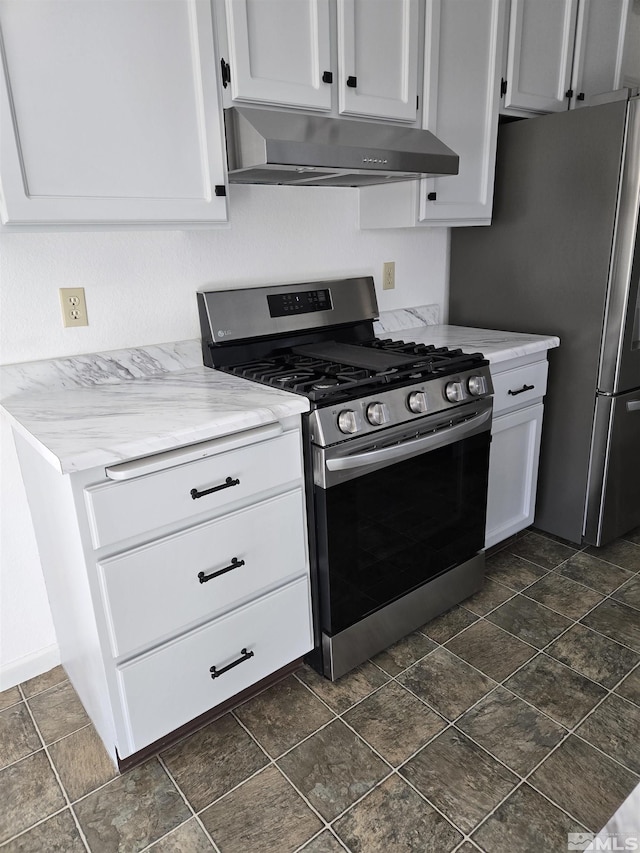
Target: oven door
397, 509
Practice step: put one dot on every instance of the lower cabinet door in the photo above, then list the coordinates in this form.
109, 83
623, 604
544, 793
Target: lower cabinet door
513, 472
165, 689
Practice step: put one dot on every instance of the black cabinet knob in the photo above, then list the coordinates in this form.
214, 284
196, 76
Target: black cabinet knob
352, 82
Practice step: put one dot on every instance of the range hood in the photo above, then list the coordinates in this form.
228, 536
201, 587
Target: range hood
296, 149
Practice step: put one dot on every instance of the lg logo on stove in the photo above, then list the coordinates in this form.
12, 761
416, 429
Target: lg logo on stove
224, 333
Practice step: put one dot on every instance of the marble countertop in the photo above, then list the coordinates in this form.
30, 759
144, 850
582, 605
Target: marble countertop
98, 409
81, 427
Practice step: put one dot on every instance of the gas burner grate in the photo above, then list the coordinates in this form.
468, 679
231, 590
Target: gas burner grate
321, 379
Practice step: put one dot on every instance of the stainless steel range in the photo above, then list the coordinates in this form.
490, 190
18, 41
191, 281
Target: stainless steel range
396, 448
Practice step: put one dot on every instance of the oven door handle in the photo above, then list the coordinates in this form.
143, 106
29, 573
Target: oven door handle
411, 448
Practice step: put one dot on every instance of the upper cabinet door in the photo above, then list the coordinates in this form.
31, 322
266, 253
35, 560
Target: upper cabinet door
109, 113
597, 65
378, 58
540, 54
279, 52
462, 91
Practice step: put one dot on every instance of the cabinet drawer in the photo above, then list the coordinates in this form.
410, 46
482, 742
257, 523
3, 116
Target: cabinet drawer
154, 592
118, 510
519, 387
167, 688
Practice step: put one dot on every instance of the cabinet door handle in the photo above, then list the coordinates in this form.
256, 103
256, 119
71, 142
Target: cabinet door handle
225, 73
633, 405
521, 390
216, 673
327, 77
234, 564
352, 82
226, 485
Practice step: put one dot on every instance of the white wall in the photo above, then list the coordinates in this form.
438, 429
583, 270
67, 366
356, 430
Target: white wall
140, 289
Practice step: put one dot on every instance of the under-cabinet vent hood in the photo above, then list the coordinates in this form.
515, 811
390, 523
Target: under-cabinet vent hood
276, 147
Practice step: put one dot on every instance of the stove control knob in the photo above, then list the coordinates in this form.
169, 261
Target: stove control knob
454, 392
477, 386
348, 421
417, 402
377, 414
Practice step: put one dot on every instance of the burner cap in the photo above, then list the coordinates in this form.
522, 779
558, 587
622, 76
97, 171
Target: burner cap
325, 382
291, 377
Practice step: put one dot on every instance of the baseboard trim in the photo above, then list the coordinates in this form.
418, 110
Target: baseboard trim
22, 669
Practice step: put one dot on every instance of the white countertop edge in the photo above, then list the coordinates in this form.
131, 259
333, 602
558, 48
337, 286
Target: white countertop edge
127, 451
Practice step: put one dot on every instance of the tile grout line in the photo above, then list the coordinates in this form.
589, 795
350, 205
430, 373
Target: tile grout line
314, 837
57, 776
393, 770
273, 762
194, 814
33, 826
388, 775
569, 731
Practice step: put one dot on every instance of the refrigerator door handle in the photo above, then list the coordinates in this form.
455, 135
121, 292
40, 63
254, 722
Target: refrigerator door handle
633, 406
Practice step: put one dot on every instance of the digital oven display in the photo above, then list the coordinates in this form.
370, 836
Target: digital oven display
303, 302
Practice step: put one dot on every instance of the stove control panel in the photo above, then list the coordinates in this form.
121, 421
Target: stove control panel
298, 302
366, 415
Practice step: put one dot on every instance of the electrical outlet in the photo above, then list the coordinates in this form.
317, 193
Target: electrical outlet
389, 275
74, 307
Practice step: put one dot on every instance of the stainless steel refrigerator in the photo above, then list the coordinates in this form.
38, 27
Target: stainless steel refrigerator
562, 257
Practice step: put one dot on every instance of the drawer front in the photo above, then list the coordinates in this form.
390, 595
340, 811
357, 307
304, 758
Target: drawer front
169, 687
154, 592
519, 387
118, 510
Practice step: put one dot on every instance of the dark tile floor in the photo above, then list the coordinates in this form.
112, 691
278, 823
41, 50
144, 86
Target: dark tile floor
501, 726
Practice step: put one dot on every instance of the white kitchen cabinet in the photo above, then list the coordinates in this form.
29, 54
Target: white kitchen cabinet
463, 60
110, 113
519, 388
279, 52
378, 58
562, 52
161, 617
355, 57
599, 46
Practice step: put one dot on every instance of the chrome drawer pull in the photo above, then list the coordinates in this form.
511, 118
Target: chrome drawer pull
522, 390
235, 564
226, 485
217, 672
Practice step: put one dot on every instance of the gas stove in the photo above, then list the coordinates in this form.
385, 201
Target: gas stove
396, 449
357, 384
